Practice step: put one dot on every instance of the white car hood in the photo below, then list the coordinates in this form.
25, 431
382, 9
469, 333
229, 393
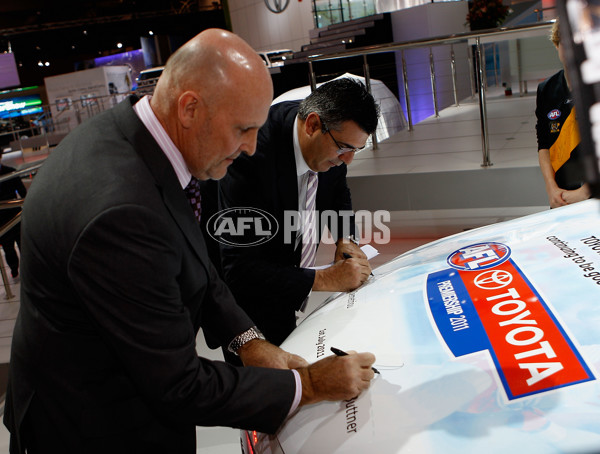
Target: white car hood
466, 363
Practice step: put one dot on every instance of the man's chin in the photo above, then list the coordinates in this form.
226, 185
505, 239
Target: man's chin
328, 165
219, 172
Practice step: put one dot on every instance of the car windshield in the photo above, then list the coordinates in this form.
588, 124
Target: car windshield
150, 74
280, 56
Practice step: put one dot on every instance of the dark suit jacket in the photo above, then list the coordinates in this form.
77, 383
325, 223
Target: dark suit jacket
115, 285
266, 280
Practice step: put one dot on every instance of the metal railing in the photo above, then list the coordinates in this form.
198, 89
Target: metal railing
539, 12
42, 131
8, 204
47, 128
478, 69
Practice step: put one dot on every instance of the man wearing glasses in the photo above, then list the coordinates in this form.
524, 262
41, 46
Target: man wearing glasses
299, 167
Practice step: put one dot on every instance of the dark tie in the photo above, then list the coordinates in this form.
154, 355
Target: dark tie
192, 191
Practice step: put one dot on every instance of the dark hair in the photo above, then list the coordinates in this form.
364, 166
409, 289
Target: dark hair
342, 100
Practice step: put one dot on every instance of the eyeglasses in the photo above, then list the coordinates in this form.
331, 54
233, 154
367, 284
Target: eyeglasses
345, 148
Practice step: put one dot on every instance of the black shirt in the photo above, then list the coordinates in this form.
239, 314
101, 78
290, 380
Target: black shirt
554, 104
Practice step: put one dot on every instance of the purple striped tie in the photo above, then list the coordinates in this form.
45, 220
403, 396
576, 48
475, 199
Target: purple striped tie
192, 191
309, 248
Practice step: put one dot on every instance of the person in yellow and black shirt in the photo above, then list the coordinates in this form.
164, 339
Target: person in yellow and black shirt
558, 137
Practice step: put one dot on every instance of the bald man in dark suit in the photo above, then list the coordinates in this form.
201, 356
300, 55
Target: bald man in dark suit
116, 281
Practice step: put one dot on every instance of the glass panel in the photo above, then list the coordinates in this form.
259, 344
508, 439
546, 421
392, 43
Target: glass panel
328, 12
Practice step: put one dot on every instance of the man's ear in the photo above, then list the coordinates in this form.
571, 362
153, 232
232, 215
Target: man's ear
189, 107
312, 124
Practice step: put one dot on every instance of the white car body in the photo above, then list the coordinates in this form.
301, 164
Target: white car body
147, 80
391, 120
275, 58
487, 341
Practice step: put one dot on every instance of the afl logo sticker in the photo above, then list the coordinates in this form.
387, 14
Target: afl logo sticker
554, 114
480, 256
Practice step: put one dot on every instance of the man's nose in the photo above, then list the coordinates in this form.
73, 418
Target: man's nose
249, 146
347, 157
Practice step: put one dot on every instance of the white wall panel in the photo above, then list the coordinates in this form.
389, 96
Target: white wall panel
265, 30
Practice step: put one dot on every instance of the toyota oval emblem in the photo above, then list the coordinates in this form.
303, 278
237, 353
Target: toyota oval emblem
493, 279
277, 6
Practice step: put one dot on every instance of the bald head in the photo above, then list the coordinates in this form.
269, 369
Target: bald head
211, 98
213, 63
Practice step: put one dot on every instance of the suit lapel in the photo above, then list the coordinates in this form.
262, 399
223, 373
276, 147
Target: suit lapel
287, 180
166, 179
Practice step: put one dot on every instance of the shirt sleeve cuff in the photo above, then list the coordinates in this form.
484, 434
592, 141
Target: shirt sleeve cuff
298, 394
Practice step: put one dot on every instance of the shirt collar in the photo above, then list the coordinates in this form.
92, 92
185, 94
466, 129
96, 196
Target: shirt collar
301, 165
144, 111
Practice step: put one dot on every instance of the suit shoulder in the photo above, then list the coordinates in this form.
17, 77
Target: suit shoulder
285, 106
282, 114
280, 120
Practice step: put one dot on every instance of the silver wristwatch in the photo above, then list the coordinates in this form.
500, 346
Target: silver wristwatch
241, 339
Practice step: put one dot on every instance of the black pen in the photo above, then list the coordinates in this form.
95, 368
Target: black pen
338, 352
348, 256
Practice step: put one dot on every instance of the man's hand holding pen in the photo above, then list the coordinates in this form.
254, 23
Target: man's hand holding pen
336, 377
346, 247
261, 353
349, 271
339, 377
343, 276
338, 352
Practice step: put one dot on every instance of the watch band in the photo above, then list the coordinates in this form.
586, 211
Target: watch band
245, 337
